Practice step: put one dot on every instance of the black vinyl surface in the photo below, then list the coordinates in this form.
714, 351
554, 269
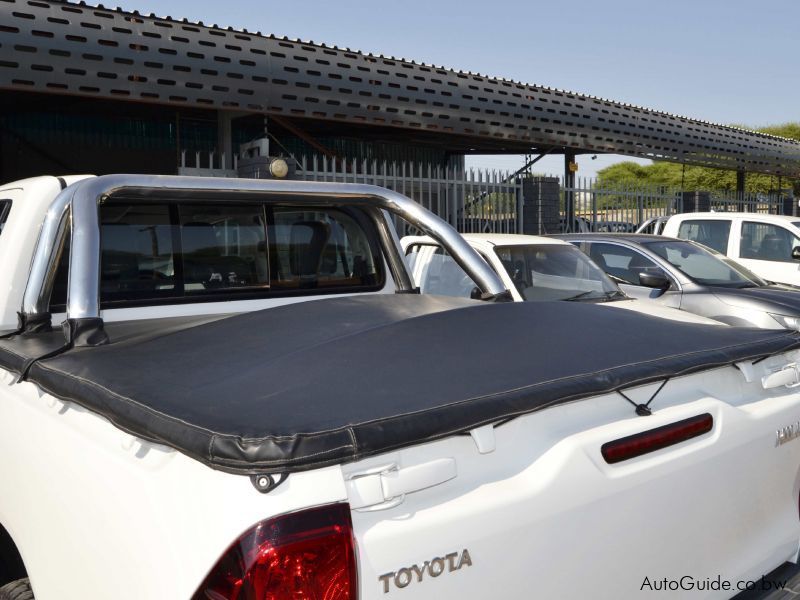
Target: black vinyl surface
331, 381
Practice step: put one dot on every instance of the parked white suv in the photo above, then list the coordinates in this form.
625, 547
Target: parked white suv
768, 245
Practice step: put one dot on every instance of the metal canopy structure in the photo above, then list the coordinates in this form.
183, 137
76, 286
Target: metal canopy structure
76, 49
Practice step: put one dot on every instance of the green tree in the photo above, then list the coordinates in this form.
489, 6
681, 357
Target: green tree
699, 178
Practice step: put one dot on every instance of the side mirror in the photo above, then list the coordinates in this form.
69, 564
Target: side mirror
796, 253
654, 280
476, 294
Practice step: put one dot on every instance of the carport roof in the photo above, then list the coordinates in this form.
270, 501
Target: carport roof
66, 48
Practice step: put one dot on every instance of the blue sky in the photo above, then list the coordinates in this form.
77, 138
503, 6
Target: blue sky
727, 61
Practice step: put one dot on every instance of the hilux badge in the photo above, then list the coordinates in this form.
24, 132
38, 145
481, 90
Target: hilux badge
787, 434
432, 568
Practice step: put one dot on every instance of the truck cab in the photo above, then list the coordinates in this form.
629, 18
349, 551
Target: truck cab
182, 253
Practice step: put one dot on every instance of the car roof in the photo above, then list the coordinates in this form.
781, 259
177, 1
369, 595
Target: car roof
509, 239
495, 239
742, 215
635, 238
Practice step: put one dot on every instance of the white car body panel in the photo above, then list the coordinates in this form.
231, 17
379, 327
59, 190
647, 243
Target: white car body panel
155, 520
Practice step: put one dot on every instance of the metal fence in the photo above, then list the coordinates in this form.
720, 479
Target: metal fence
491, 201
772, 203
618, 207
622, 207
472, 201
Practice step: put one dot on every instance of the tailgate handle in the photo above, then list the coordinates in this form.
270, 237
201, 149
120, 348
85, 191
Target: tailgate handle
788, 376
418, 477
391, 485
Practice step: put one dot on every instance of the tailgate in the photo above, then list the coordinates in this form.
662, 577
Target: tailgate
541, 513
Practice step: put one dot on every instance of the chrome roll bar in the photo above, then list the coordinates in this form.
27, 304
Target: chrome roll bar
75, 212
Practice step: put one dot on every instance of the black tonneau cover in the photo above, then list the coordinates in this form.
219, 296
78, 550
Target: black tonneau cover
331, 381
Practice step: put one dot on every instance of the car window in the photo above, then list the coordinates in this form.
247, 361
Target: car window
5, 209
165, 252
765, 241
322, 249
554, 272
441, 275
622, 262
702, 265
136, 251
712, 233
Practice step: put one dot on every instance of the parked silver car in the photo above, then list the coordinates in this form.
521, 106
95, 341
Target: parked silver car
689, 276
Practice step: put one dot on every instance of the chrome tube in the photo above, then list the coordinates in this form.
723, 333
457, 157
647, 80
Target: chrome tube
46, 255
83, 198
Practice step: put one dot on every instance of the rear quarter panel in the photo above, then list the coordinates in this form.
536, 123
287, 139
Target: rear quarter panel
99, 514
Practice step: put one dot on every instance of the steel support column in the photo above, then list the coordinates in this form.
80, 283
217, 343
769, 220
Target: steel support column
569, 190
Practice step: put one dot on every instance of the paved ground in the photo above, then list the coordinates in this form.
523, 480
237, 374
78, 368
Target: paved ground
789, 572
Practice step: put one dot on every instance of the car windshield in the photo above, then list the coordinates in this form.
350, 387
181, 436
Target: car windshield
703, 265
555, 272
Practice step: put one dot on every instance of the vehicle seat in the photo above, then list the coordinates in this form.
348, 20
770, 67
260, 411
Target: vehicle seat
598, 259
119, 259
746, 248
334, 255
308, 240
201, 253
773, 248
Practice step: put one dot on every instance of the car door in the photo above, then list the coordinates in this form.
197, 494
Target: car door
766, 249
624, 263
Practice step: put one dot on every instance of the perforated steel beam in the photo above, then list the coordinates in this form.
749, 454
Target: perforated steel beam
64, 48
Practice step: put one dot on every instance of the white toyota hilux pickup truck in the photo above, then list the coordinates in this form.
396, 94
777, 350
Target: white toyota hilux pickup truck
179, 421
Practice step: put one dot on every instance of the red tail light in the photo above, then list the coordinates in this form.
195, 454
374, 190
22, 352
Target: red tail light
308, 555
656, 439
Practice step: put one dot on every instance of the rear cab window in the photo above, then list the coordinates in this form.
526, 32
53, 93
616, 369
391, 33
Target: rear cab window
713, 233
168, 253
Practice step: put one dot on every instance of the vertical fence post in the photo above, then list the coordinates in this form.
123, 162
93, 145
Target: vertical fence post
640, 206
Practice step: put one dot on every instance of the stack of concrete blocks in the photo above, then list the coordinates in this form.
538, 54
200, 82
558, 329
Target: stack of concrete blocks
541, 211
